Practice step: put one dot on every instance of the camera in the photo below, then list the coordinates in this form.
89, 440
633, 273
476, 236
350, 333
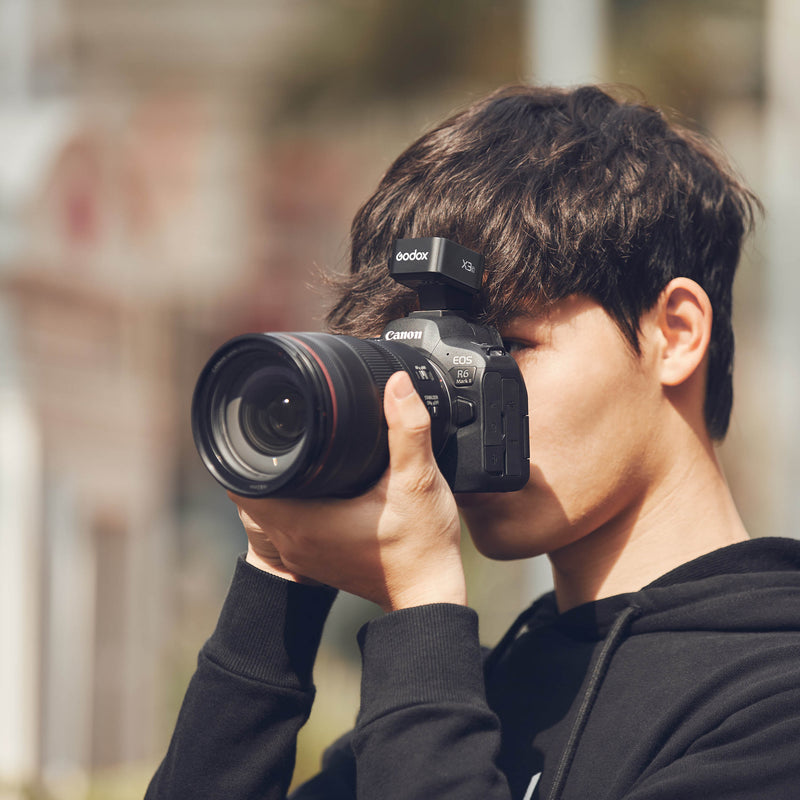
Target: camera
301, 414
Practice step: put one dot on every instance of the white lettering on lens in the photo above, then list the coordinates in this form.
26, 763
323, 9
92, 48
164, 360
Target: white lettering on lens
415, 255
389, 335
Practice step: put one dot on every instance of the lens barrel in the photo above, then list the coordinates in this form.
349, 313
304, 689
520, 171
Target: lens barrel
301, 414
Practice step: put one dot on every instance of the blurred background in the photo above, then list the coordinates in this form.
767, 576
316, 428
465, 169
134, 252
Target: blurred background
173, 173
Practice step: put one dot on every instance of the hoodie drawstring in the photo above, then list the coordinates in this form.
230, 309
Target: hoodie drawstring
615, 636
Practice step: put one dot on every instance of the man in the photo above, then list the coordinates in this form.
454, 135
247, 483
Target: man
667, 662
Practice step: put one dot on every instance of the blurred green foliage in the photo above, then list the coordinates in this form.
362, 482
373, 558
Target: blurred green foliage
356, 54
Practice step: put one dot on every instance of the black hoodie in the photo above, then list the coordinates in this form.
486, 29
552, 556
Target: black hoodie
689, 688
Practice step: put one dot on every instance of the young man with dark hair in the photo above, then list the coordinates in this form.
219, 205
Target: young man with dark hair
666, 664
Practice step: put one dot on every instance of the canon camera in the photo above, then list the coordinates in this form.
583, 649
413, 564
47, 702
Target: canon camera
301, 414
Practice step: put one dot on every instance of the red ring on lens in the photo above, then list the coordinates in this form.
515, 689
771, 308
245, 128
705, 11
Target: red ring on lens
334, 409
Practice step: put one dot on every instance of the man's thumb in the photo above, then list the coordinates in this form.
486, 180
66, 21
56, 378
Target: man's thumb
409, 425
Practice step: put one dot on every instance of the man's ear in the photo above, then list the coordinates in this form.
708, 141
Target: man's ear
683, 316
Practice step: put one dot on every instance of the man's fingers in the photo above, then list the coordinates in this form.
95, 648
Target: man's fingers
409, 429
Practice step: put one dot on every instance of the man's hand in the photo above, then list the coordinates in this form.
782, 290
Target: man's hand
397, 545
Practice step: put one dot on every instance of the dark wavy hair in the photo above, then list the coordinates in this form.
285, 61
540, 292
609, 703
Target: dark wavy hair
564, 192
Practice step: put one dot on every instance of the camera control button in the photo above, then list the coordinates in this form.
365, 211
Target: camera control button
422, 372
492, 409
433, 404
514, 458
511, 412
464, 411
494, 459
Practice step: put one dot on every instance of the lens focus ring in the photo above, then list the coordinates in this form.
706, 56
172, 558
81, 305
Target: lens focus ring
381, 362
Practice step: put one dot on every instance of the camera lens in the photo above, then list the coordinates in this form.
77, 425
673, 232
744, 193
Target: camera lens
301, 414
272, 414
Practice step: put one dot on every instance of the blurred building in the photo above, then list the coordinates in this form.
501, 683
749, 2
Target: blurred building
142, 220
174, 173
120, 217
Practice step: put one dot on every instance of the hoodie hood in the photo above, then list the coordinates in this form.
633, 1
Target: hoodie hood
638, 651
748, 586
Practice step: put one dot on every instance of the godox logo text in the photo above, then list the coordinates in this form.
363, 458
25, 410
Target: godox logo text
415, 255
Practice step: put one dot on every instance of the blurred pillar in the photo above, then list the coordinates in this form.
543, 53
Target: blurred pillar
68, 638
782, 195
566, 44
566, 41
20, 485
20, 580
15, 49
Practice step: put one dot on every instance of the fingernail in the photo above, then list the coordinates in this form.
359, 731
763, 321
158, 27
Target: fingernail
402, 386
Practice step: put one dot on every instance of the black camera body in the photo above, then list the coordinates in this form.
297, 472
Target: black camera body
301, 414
487, 447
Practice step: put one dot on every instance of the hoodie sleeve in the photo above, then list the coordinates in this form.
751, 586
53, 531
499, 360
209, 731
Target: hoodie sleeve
425, 729
236, 731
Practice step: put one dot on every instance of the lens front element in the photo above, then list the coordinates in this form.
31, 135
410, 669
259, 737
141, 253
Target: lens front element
272, 412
